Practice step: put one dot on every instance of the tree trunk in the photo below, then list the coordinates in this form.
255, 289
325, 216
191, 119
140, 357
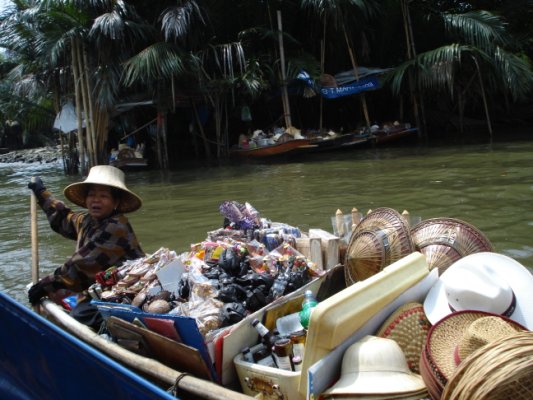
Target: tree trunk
418, 108
485, 104
284, 93
201, 131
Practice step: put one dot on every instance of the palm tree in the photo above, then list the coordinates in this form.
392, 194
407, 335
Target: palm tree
81, 44
475, 66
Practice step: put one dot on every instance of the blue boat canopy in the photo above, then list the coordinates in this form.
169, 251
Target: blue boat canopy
346, 83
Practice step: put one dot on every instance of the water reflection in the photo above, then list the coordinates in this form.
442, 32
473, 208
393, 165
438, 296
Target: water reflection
488, 186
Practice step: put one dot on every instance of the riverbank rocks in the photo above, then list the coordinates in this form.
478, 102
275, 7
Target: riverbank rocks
41, 155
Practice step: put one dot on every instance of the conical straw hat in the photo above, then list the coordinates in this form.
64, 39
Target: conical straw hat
408, 326
445, 240
500, 370
381, 238
104, 175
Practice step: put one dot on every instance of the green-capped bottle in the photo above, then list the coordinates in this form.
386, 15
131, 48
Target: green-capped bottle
308, 304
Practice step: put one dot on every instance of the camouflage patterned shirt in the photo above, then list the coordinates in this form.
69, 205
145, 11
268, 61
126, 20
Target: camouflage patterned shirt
100, 243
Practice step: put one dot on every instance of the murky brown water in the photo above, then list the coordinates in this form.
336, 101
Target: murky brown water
491, 187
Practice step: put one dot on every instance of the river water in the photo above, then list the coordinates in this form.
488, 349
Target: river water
488, 186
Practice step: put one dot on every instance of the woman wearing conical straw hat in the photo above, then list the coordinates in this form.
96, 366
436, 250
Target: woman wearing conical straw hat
103, 234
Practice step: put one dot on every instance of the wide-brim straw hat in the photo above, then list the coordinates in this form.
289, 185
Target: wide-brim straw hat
104, 175
376, 366
489, 282
502, 370
445, 240
381, 238
455, 337
408, 326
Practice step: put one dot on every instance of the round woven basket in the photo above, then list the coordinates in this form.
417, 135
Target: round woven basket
408, 326
445, 240
501, 370
381, 238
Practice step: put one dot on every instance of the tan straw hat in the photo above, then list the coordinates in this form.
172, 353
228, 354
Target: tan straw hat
104, 175
381, 238
502, 370
445, 240
489, 282
376, 367
455, 337
408, 326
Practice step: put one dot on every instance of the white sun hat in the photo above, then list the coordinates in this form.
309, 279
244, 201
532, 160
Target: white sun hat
104, 175
376, 366
485, 281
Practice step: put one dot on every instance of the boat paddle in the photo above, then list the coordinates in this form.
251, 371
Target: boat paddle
34, 242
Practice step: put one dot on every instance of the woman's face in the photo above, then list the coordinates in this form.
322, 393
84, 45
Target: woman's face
100, 201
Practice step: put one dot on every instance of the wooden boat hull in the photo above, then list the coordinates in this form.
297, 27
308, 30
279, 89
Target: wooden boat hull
130, 163
271, 150
40, 360
381, 137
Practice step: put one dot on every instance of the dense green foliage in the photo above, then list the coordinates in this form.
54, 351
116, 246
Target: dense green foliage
200, 62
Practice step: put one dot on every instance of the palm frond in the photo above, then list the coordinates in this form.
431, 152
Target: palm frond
176, 21
434, 69
158, 61
479, 28
515, 73
110, 25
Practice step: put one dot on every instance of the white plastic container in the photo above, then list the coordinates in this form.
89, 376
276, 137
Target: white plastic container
272, 383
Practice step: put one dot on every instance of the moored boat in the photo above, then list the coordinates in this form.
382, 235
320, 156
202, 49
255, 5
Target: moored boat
270, 150
392, 133
128, 158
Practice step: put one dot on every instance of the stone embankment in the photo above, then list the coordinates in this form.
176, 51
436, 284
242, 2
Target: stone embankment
41, 155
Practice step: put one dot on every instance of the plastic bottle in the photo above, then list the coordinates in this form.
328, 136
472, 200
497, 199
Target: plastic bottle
308, 304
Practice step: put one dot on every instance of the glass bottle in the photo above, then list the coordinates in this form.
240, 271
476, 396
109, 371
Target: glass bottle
267, 337
298, 342
283, 354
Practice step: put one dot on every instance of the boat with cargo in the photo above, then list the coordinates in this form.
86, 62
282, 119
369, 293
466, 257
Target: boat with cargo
363, 271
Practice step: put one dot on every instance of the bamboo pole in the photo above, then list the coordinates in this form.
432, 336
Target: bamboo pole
284, 93
356, 73
90, 111
76, 75
85, 101
160, 372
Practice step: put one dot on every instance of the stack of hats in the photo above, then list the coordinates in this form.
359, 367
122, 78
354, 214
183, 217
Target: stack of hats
478, 300
503, 369
381, 238
470, 339
376, 368
455, 337
445, 240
